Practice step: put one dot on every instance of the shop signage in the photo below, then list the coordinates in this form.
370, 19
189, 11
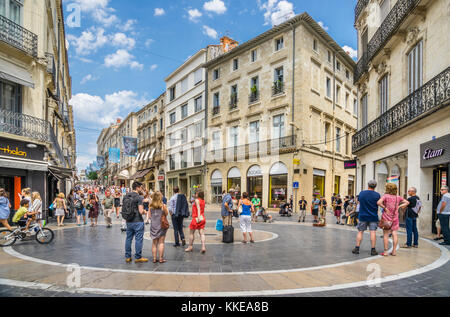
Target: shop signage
296, 161
296, 185
13, 152
348, 165
161, 178
19, 149
435, 152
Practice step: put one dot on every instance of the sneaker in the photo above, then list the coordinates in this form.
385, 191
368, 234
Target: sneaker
355, 251
437, 239
141, 260
444, 243
128, 260
415, 246
373, 252
183, 243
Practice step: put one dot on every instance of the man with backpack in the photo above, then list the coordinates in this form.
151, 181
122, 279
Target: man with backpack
179, 209
132, 211
412, 212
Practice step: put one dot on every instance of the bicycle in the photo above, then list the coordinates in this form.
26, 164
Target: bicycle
42, 235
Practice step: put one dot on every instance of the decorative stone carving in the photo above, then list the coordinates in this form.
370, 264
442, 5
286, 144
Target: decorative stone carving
381, 68
412, 34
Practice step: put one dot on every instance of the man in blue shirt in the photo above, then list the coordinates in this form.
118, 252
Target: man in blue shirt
368, 216
227, 208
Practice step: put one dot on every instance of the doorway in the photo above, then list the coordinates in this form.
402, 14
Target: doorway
440, 178
184, 186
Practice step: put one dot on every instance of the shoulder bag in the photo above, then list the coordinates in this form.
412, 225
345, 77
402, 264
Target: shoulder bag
386, 224
164, 222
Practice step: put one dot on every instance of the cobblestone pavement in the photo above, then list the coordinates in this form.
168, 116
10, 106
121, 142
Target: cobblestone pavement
312, 247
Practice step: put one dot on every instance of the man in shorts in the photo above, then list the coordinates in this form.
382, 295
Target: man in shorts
315, 208
303, 204
368, 216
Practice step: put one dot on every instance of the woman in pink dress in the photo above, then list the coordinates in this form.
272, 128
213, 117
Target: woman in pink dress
391, 203
198, 221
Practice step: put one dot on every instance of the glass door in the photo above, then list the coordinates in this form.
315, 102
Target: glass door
440, 178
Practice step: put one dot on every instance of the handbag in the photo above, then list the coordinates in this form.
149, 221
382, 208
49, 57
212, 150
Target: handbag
164, 222
386, 224
200, 219
219, 225
52, 206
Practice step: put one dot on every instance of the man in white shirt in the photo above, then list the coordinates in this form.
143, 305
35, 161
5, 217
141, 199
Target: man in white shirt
177, 219
443, 211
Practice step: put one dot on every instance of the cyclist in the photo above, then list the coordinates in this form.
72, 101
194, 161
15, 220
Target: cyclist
23, 217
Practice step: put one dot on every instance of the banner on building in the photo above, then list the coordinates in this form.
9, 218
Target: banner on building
95, 166
114, 155
101, 162
130, 146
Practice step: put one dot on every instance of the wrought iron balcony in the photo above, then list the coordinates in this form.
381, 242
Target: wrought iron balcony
432, 96
278, 88
384, 33
254, 97
17, 36
233, 102
360, 8
216, 110
282, 145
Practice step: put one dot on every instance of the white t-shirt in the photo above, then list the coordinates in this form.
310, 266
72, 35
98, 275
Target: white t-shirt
446, 210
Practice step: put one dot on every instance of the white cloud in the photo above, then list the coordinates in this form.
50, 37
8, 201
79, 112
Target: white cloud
277, 11
216, 6
210, 32
122, 58
103, 17
194, 15
88, 78
99, 10
128, 26
323, 25
159, 12
350, 51
153, 67
89, 41
121, 40
149, 42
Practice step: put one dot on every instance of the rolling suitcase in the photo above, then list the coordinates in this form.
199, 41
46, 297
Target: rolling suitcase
228, 234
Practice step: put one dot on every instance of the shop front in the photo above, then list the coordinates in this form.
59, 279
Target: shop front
234, 181
319, 182
435, 156
278, 184
255, 181
216, 187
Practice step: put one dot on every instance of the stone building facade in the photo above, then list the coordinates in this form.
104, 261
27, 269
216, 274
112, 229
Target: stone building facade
280, 110
36, 120
403, 88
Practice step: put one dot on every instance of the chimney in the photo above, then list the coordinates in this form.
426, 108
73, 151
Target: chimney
119, 120
228, 44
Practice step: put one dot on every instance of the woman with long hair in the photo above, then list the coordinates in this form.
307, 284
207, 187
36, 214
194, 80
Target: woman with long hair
5, 209
198, 222
94, 209
391, 203
61, 209
157, 233
37, 206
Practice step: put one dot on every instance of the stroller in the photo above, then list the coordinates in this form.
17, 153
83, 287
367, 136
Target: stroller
286, 210
263, 213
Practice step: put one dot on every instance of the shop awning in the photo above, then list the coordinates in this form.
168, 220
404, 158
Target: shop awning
16, 74
152, 154
23, 165
124, 175
142, 173
146, 156
60, 172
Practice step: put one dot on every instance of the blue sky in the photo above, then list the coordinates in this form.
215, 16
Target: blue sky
121, 51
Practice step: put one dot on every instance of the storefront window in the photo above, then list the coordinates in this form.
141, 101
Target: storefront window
319, 183
278, 181
216, 187
351, 186
234, 181
255, 181
337, 185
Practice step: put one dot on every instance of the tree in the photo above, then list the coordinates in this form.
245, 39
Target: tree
92, 176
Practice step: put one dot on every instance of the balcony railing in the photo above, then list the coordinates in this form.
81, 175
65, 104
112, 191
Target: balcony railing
424, 101
254, 97
278, 88
253, 150
360, 8
17, 36
233, 102
31, 127
384, 33
216, 110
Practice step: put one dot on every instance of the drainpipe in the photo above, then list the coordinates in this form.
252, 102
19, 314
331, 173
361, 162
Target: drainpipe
333, 172
293, 105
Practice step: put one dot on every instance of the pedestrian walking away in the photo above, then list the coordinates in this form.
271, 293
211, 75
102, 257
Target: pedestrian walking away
411, 215
61, 209
158, 231
198, 222
132, 212
443, 212
179, 210
108, 205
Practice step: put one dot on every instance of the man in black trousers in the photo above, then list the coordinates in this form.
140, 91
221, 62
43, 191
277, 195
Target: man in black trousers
179, 209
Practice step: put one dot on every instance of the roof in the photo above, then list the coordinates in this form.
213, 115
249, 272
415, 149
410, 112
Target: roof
305, 18
202, 51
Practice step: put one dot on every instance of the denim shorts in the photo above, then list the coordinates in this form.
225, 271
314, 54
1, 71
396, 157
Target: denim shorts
362, 226
81, 212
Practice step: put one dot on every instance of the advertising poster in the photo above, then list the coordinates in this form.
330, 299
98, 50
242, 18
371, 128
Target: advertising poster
130, 146
101, 162
114, 155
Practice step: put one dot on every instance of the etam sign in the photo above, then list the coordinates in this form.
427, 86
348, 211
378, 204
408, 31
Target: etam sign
430, 154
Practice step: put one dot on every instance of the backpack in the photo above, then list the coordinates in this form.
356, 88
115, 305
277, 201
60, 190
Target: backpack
128, 212
416, 209
78, 205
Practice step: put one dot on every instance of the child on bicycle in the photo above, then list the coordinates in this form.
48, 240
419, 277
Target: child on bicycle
23, 217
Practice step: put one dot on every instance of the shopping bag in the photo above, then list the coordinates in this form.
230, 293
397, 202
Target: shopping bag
219, 225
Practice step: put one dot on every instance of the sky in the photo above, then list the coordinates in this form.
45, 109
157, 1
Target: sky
120, 51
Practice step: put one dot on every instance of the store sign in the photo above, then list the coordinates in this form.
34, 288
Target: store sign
348, 165
435, 152
18, 149
13, 152
296, 185
161, 178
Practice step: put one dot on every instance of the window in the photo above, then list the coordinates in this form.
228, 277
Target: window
254, 55
327, 136
184, 85
234, 95
315, 45
171, 139
198, 104
355, 107
384, 94
172, 93
279, 44
364, 41
364, 110
329, 57
415, 68
338, 65
254, 132
235, 64
216, 99
198, 130
11, 9
183, 156
154, 129
338, 95
328, 87
161, 125
347, 74
171, 162
234, 135
216, 74
198, 76
347, 98
255, 82
338, 140
155, 109
197, 155
184, 111
10, 97
347, 143
279, 75
173, 118
184, 136
216, 141
279, 130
